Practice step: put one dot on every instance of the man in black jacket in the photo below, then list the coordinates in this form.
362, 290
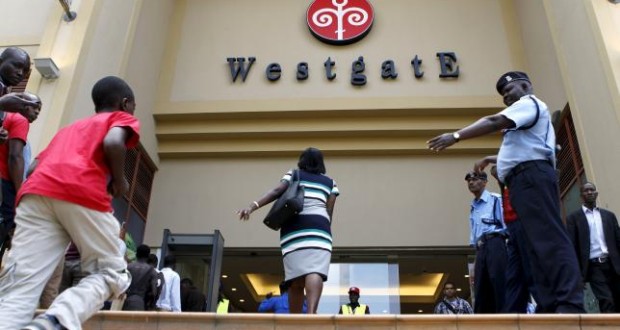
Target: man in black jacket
192, 300
143, 281
596, 236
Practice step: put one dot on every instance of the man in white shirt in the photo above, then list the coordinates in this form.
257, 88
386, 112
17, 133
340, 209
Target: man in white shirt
596, 237
170, 297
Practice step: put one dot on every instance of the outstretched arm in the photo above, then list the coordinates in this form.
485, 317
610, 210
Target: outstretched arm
482, 126
115, 150
269, 197
18, 102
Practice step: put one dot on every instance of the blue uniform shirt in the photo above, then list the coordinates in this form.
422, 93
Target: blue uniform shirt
535, 143
278, 305
486, 216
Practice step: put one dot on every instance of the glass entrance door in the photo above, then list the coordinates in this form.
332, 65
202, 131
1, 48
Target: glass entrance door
199, 257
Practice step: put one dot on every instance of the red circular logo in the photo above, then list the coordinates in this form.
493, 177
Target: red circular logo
340, 22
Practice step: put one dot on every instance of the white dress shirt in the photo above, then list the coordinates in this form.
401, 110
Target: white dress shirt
170, 297
598, 247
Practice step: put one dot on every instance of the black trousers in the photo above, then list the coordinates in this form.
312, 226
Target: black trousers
535, 197
605, 284
490, 276
7, 211
519, 280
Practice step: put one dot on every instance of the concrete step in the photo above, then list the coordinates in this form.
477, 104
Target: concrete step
114, 320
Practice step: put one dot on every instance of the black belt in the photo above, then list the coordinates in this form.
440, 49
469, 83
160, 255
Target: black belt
487, 236
522, 167
599, 260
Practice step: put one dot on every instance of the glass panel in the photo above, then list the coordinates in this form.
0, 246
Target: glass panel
195, 268
392, 284
378, 284
422, 277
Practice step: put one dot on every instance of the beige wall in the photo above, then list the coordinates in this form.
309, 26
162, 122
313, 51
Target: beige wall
99, 42
200, 112
104, 54
276, 31
542, 64
143, 65
127, 41
23, 22
384, 201
225, 143
588, 79
207, 32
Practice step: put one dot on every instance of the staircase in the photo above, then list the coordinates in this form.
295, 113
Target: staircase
209, 321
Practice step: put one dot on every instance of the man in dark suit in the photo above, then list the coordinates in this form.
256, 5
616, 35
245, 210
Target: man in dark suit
596, 236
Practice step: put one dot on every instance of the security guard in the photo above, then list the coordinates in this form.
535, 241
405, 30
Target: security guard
488, 236
354, 307
223, 306
526, 164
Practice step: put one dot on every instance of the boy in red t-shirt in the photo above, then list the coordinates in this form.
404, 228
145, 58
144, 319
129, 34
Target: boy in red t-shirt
67, 197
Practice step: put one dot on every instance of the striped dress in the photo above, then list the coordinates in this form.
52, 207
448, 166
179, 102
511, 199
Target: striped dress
306, 241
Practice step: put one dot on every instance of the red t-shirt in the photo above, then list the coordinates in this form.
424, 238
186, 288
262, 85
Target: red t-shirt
18, 127
73, 166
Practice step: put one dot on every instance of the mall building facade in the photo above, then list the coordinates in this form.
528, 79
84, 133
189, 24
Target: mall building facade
217, 133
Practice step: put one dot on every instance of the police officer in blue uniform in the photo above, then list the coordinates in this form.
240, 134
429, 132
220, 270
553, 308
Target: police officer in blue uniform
488, 236
526, 164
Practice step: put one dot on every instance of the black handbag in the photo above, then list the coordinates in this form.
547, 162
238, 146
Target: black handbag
288, 205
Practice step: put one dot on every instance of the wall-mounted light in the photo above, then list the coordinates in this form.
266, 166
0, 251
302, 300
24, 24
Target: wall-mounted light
66, 6
47, 68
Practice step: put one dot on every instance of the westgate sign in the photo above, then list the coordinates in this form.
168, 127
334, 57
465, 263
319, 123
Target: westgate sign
340, 22
241, 66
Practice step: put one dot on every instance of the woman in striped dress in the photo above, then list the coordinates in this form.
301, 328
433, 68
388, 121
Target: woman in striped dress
306, 241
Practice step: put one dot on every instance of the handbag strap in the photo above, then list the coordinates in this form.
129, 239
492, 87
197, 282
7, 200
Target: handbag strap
522, 128
449, 306
295, 176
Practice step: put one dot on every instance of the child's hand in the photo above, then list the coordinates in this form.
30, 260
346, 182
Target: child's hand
17, 102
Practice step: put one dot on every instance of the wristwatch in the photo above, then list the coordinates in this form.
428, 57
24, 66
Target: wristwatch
456, 136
